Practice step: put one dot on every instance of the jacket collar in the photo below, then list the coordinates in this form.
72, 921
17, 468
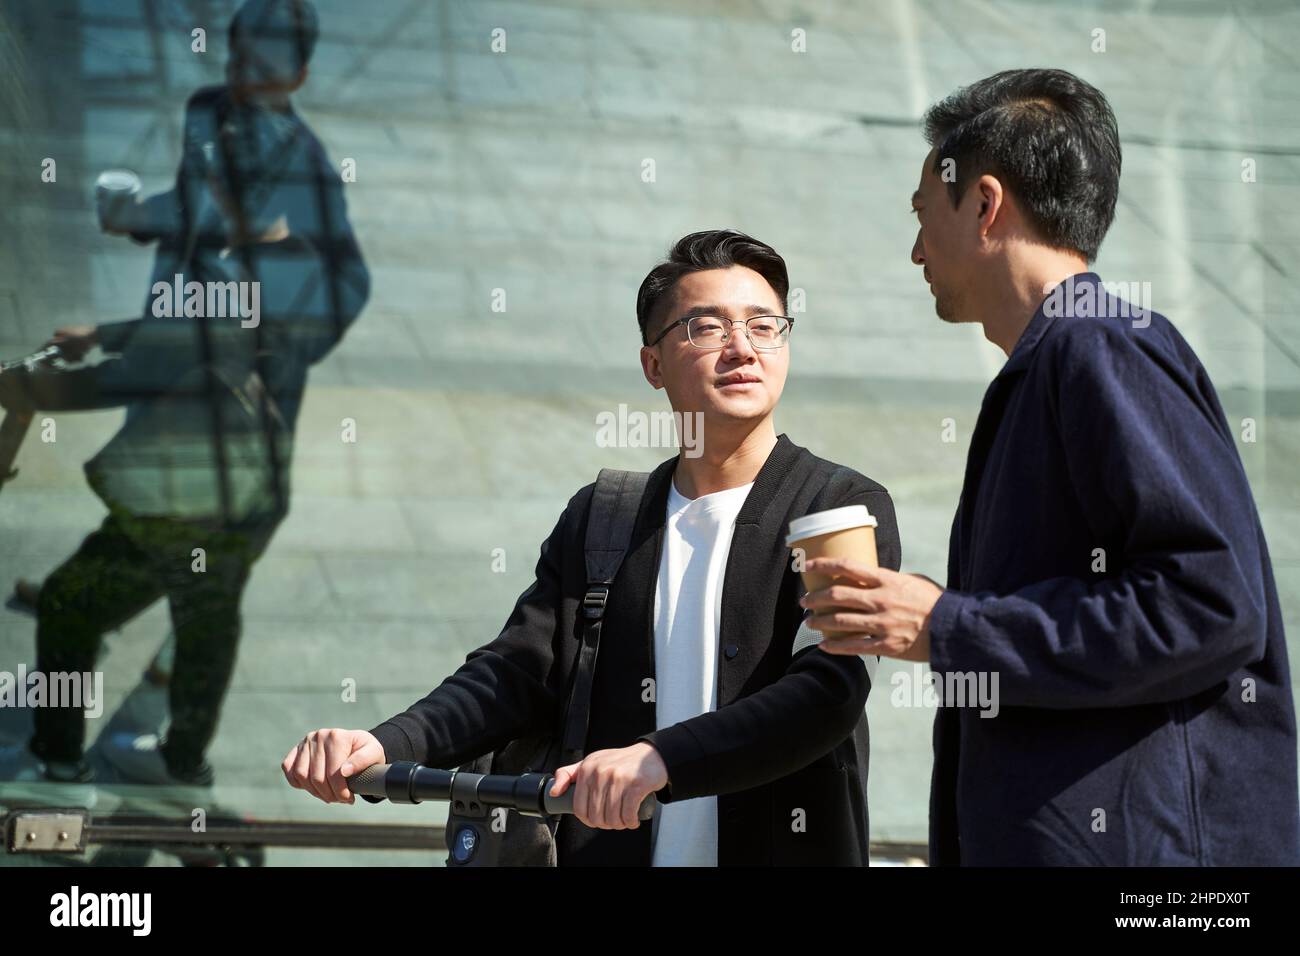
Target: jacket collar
768, 481
1057, 302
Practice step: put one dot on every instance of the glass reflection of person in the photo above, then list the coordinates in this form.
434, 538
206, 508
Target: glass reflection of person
202, 459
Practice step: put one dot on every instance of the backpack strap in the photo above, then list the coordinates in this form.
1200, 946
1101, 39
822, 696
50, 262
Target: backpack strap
614, 506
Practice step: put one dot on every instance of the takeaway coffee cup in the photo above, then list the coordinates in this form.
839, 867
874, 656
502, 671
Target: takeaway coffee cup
838, 533
115, 198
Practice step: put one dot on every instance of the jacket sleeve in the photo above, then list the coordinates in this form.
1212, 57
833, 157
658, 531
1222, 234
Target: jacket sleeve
784, 726
113, 336
1158, 479
502, 691
157, 217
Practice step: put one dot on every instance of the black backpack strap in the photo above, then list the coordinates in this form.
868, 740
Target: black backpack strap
614, 506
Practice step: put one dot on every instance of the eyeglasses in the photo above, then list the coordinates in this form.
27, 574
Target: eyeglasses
766, 332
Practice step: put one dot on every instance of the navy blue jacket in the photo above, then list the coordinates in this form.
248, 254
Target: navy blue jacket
1145, 713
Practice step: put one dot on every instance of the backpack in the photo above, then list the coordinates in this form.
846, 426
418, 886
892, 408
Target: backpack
475, 835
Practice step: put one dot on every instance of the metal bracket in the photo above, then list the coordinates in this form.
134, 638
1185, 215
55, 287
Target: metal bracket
47, 831
464, 797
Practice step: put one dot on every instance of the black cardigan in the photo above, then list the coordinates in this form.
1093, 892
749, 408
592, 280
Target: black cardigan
789, 733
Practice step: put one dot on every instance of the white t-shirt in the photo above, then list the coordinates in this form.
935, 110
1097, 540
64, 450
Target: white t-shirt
688, 614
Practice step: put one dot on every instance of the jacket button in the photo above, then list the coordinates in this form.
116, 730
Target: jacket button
731, 650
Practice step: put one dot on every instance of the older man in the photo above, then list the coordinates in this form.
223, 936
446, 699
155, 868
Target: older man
1107, 563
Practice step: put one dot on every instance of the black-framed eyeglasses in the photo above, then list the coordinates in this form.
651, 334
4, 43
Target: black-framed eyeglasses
766, 332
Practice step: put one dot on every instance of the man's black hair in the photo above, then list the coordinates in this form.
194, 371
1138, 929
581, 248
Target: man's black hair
711, 249
278, 35
1049, 137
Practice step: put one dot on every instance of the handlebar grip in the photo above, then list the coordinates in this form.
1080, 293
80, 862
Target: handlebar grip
564, 803
370, 782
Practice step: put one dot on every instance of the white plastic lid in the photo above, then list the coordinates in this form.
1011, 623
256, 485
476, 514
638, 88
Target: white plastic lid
118, 180
826, 522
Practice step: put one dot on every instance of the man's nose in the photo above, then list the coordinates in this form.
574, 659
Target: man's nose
918, 251
738, 345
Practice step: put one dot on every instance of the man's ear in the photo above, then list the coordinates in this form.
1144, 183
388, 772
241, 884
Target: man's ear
650, 365
988, 190
302, 78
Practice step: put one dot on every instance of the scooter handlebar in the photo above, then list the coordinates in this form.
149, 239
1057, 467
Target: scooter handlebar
377, 780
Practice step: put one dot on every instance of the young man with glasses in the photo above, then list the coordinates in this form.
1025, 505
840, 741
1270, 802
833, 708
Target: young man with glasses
754, 741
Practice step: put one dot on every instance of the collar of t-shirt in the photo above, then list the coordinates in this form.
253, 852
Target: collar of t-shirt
729, 500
